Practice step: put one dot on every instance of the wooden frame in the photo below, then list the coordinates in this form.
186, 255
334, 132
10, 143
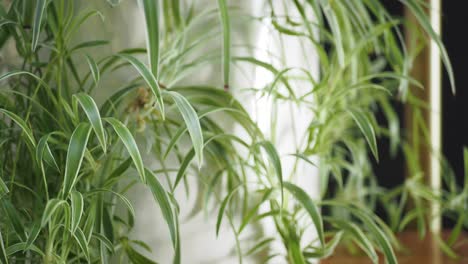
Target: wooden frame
427, 70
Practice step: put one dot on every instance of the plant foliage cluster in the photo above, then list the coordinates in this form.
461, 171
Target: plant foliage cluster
67, 162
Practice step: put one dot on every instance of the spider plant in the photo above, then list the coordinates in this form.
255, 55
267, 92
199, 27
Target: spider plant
68, 159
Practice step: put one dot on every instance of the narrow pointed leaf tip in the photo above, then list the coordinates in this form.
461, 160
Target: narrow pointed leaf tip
3, 188
129, 143
365, 125
94, 69
304, 199
192, 122
275, 162
92, 112
22, 124
162, 197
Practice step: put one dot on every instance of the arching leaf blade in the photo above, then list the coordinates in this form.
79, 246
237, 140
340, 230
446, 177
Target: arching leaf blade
192, 122
38, 14
75, 154
92, 112
365, 125
275, 161
151, 11
162, 197
77, 208
304, 199
130, 144
22, 124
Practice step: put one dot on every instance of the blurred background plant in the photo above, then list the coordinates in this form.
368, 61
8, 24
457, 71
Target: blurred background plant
67, 162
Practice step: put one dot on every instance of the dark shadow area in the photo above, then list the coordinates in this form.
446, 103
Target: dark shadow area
455, 107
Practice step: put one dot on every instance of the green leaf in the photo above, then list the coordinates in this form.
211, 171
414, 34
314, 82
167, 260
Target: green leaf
178, 134
446, 248
332, 244
43, 148
94, 69
176, 12
104, 227
151, 10
214, 97
177, 253
13, 218
456, 230
35, 230
141, 244
275, 161
90, 222
82, 242
43, 152
75, 154
79, 20
421, 16
367, 129
112, 102
89, 44
4, 21
336, 30
137, 258
192, 122
304, 158
14, 73
304, 199
260, 245
51, 207
294, 252
174, 140
77, 205
39, 13
254, 211
379, 235
183, 167
3, 254
107, 225
269, 67
223, 208
224, 16
21, 246
3, 188
73, 69
92, 112
162, 197
149, 78
124, 199
130, 144
117, 172
20, 122
106, 242
358, 235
